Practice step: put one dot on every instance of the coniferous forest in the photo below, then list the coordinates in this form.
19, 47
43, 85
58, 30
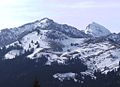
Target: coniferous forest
22, 71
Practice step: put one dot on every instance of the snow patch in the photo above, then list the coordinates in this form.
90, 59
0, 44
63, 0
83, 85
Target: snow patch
12, 54
64, 76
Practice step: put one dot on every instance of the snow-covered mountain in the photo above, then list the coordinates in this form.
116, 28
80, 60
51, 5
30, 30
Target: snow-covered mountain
63, 44
96, 30
8, 36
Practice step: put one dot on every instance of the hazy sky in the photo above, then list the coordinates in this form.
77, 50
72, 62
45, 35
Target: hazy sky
78, 13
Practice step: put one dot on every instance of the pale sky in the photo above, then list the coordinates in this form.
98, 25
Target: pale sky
78, 13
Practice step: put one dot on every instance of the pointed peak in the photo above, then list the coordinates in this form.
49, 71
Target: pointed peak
43, 23
45, 20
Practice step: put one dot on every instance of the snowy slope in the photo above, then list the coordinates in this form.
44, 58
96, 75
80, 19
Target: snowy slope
100, 56
41, 42
8, 36
60, 43
96, 30
103, 56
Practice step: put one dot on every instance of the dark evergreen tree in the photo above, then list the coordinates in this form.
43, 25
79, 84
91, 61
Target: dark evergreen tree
36, 83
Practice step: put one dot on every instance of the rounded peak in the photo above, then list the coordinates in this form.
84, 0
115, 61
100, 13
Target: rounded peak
95, 24
96, 30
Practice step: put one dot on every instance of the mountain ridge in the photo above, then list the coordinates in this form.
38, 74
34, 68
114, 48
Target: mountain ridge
16, 33
56, 52
46, 36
